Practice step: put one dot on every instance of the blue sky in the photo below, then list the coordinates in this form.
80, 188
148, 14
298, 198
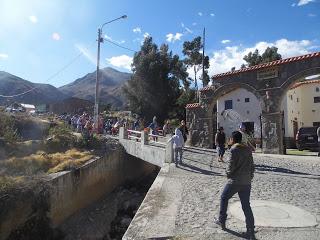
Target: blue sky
39, 37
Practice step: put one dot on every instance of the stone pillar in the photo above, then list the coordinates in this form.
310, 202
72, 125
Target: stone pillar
272, 132
123, 134
144, 138
200, 127
169, 152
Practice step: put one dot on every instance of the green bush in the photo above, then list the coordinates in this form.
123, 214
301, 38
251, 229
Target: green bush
8, 130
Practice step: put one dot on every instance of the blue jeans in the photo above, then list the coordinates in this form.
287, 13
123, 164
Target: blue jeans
244, 195
178, 155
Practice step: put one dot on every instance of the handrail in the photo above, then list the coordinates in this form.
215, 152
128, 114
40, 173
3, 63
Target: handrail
133, 131
153, 135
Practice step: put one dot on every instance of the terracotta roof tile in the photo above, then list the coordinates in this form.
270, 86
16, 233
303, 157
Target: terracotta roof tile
193, 105
298, 84
264, 65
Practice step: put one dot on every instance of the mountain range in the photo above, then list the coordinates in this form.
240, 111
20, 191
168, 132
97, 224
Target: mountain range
111, 82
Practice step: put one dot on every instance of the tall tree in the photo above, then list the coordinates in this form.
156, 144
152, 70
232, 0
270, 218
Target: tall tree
253, 59
155, 84
269, 55
192, 51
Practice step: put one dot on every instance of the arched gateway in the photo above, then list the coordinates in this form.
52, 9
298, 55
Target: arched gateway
268, 82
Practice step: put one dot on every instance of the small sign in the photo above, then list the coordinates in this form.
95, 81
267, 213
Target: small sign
267, 74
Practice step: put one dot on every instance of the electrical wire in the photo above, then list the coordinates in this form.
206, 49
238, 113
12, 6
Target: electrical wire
48, 79
62, 69
118, 45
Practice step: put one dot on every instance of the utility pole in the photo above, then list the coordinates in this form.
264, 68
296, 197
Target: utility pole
203, 45
96, 100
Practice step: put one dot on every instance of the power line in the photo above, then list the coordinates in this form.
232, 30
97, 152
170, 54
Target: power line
48, 79
62, 69
118, 45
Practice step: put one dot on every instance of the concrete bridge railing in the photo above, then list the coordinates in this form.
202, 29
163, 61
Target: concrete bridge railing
139, 145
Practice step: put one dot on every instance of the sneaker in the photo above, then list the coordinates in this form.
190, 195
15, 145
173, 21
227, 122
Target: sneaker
222, 225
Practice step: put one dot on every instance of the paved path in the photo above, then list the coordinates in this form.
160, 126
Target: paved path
182, 202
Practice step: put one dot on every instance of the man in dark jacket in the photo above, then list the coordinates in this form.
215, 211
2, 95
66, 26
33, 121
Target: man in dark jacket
183, 128
239, 172
220, 141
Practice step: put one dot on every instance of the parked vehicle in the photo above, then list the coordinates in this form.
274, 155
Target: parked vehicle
307, 139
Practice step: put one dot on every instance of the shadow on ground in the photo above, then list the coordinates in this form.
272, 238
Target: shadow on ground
266, 168
191, 168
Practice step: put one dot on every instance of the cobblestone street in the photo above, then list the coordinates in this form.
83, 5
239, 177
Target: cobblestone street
187, 199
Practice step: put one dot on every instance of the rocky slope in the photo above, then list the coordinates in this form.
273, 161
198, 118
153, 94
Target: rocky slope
111, 82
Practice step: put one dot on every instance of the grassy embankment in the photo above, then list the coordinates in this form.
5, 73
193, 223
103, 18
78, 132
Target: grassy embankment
58, 150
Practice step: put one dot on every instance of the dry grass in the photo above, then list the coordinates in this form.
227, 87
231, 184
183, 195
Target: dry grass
42, 162
7, 182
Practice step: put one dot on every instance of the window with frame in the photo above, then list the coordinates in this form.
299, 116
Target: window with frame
316, 99
317, 89
247, 100
227, 104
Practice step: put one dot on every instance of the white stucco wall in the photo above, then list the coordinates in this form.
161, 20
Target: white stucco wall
304, 111
242, 111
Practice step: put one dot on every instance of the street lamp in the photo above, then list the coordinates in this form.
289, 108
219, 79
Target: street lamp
96, 102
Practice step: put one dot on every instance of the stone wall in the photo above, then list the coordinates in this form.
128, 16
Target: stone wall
268, 82
73, 190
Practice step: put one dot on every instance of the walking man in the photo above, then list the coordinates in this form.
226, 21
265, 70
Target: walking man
184, 130
178, 144
220, 141
239, 172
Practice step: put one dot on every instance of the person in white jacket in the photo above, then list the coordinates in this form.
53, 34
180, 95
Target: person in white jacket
178, 143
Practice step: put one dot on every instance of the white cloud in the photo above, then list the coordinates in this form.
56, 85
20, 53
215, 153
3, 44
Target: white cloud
312, 15
174, 37
304, 2
56, 36
122, 61
226, 41
87, 53
3, 56
182, 25
232, 56
200, 14
146, 34
293, 5
194, 24
212, 14
137, 30
33, 19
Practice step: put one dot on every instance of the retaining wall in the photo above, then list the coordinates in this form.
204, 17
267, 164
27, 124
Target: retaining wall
73, 190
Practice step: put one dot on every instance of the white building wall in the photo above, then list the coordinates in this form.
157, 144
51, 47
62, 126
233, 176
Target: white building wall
304, 111
298, 105
242, 111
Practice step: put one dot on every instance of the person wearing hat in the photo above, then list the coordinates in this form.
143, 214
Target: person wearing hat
220, 141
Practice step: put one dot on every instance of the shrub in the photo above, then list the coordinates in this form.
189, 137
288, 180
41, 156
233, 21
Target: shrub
42, 162
8, 130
